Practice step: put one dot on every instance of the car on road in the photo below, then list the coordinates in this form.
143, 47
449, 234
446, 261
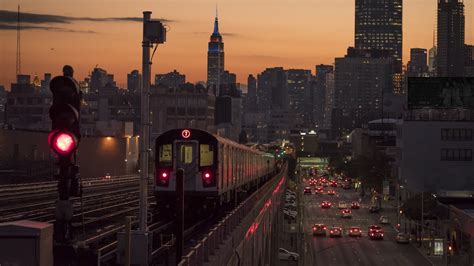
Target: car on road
335, 231
284, 254
346, 213
319, 229
355, 231
333, 184
342, 205
374, 209
326, 205
402, 238
307, 190
355, 205
107, 176
331, 192
375, 232
384, 220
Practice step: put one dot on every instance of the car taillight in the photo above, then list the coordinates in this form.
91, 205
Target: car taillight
332, 231
325, 228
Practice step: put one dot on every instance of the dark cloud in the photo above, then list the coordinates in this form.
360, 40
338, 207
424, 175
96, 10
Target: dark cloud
11, 17
48, 28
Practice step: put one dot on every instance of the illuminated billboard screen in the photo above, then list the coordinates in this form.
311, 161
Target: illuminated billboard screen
440, 93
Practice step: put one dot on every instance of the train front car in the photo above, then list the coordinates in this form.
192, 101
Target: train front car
194, 151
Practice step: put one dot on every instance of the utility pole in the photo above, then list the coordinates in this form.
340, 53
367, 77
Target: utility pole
145, 127
153, 33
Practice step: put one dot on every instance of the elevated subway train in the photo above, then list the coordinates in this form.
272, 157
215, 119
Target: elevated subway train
216, 170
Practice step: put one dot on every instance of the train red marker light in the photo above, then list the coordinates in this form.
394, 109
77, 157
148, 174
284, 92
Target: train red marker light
163, 177
207, 178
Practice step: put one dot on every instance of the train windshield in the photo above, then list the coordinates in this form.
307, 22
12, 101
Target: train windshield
186, 153
206, 155
166, 155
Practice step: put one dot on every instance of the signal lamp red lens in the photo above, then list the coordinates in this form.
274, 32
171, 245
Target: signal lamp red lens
63, 142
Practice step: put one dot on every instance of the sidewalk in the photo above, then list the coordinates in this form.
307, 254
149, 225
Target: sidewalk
389, 208
288, 240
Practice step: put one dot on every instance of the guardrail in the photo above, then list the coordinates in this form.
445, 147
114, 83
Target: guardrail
247, 210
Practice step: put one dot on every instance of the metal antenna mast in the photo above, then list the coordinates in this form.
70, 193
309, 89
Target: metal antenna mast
18, 50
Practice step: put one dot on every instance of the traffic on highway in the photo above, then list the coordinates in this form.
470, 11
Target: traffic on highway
339, 227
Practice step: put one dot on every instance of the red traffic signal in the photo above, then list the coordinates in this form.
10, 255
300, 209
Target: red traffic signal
62, 142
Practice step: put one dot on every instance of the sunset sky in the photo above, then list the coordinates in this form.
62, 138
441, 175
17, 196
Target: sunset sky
257, 34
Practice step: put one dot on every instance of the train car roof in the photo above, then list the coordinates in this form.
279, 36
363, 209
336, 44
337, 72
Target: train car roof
220, 139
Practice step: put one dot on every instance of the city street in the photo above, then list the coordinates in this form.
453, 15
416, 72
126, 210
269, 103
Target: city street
324, 250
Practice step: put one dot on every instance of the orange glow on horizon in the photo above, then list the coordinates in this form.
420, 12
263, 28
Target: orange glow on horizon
256, 34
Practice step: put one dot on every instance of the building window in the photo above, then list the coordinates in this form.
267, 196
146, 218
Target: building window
456, 155
457, 134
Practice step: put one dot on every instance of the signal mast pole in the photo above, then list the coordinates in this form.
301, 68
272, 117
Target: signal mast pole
145, 127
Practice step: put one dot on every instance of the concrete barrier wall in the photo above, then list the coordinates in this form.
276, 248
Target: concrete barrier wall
243, 236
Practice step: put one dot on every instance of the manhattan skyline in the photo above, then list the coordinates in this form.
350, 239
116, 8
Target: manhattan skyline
258, 34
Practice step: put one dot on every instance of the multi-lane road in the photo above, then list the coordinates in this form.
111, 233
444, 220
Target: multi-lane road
324, 250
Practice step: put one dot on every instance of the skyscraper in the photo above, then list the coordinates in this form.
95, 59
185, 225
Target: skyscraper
418, 65
215, 59
450, 58
298, 82
319, 94
171, 80
251, 94
134, 81
378, 25
98, 79
361, 78
272, 90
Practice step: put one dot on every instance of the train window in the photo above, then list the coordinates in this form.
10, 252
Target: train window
206, 155
165, 154
186, 154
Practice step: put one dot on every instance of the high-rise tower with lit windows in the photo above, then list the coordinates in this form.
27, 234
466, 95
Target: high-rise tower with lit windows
215, 59
378, 25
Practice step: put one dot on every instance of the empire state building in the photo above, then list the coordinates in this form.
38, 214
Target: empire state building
215, 59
